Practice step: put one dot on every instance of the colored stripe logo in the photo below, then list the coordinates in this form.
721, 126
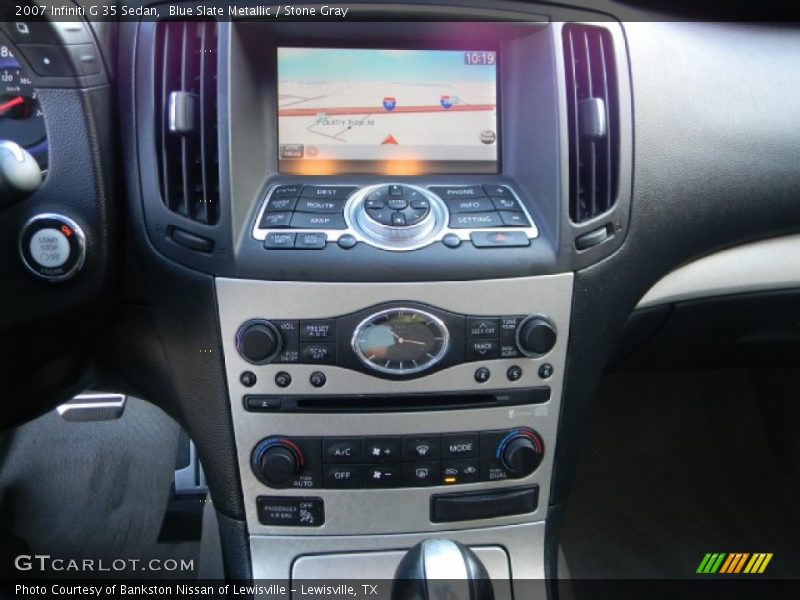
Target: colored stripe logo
734, 563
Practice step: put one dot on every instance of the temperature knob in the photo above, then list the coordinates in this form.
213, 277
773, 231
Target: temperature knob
521, 451
259, 342
276, 461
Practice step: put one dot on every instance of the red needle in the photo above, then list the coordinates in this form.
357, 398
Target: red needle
11, 103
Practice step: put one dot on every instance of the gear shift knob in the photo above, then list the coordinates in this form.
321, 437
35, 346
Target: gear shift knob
438, 569
20, 174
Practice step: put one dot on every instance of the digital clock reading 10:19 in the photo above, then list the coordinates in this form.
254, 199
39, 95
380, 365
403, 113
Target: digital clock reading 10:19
480, 57
401, 341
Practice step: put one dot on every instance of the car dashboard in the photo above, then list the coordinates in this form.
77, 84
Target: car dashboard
376, 264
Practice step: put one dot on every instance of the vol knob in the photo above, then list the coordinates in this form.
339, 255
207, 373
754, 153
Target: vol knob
536, 336
258, 342
276, 462
522, 453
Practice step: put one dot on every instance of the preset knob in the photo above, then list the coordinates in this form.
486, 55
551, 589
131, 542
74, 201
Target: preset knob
522, 452
536, 336
259, 342
276, 462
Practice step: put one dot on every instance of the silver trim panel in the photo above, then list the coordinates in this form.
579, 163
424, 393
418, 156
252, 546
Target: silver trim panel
398, 510
765, 265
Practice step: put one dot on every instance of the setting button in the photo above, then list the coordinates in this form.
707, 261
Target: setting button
342, 450
479, 327
475, 220
421, 447
383, 449
460, 445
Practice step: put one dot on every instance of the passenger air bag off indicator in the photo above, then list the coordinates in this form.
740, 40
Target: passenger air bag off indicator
389, 139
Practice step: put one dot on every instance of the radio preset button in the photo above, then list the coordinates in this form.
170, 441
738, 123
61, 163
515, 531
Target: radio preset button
317, 379
283, 379
318, 331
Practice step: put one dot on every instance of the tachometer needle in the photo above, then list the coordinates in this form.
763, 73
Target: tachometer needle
11, 103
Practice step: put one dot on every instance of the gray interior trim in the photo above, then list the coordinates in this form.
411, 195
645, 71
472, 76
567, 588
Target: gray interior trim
771, 264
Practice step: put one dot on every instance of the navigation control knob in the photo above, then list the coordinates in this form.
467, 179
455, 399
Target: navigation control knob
522, 451
259, 342
536, 336
277, 461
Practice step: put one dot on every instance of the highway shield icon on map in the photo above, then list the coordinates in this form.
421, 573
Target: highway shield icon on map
389, 102
446, 102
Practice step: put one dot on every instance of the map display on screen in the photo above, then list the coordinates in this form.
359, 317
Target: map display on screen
386, 111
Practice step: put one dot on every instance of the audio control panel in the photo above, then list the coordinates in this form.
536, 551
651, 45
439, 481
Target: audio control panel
392, 216
423, 460
395, 340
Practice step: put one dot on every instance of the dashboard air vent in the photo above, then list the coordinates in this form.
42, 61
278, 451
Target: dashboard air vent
593, 121
185, 70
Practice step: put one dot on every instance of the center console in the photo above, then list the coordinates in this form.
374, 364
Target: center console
392, 241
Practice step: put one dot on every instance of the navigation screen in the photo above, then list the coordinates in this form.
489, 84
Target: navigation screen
397, 112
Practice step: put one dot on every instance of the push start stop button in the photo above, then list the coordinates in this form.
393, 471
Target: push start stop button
52, 247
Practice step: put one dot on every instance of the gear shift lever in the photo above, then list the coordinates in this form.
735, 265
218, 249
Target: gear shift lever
438, 569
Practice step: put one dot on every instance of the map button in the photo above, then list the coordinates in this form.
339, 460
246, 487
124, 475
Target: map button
317, 221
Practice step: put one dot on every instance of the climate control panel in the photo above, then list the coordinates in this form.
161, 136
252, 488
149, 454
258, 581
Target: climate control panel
398, 340
396, 461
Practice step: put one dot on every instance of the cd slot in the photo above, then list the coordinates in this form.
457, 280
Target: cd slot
395, 403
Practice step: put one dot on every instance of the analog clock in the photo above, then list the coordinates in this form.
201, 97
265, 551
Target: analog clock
401, 341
